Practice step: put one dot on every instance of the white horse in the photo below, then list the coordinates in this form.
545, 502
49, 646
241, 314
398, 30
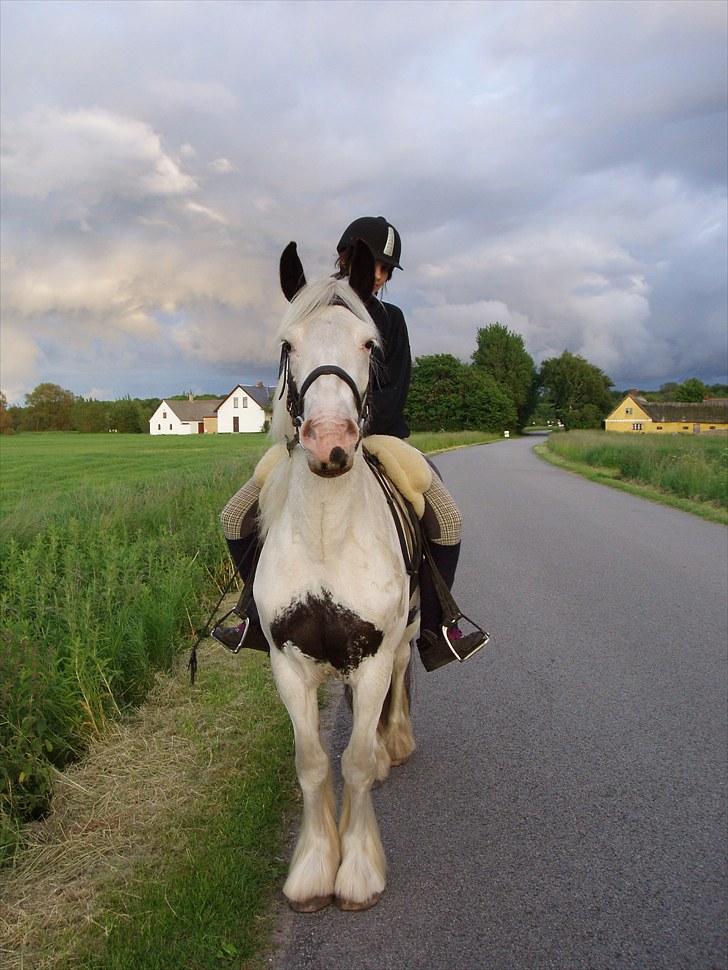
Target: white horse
331, 586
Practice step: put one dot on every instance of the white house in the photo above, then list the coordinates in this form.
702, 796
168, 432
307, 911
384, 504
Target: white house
243, 410
183, 417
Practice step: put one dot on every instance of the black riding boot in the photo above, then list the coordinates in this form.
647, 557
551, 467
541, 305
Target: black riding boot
248, 633
436, 646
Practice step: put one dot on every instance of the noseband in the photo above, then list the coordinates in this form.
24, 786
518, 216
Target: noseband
295, 398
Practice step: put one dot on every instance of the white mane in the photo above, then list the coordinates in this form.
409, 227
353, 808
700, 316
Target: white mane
309, 301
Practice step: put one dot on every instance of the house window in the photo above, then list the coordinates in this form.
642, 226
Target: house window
686, 427
659, 427
628, 410
164, 415
159, 427
245, 402
170, 427
637, 426
235, 402
712, 427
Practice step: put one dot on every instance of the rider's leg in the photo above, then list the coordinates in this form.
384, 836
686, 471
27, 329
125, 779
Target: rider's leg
442, 523
240, 524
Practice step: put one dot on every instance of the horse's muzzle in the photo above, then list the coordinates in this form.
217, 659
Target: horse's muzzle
329, 445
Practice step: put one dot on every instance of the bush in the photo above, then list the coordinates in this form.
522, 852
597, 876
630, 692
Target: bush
447, 395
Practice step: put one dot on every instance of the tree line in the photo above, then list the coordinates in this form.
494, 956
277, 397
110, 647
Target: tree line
49, 407
499, 389
692, 389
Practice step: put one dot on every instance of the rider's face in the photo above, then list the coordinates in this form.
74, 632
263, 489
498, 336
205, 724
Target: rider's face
381, 275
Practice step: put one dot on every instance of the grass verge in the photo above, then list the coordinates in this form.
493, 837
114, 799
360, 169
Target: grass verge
608, 475
435, 442
163, 845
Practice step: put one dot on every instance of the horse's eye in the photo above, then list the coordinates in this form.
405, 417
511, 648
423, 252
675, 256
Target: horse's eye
369, 345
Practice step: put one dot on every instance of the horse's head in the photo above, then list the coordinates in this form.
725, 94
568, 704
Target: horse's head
327, 339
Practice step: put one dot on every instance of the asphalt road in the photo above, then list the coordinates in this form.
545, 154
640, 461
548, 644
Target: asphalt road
566, 806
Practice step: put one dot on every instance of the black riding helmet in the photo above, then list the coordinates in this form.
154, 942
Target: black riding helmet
381, 238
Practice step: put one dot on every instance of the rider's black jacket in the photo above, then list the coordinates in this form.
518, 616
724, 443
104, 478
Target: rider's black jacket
392, 372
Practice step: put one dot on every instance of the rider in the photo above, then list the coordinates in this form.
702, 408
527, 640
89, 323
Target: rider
441, 521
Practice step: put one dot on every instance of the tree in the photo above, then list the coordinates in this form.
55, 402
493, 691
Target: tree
126, 417
90, 415
578, 390
486, 404
435, 394
502, 354
690, 390
447, 395
6, 421
49, 408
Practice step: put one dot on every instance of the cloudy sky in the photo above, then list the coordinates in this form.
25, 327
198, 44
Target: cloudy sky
558, 167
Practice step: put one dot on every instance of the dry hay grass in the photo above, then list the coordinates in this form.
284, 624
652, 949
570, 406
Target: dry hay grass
110, 813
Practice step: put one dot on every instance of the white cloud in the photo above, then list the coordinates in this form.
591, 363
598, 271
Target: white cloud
91, 153
222, 166
204, 210
20, 359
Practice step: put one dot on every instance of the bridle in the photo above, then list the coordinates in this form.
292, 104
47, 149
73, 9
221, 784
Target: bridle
295, 397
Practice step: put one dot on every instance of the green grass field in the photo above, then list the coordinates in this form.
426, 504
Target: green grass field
689, 469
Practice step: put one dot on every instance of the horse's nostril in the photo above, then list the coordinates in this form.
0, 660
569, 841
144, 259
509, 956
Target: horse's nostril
337, 456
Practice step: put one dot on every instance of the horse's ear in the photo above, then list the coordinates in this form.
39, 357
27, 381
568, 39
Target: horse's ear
361, 272
292, 276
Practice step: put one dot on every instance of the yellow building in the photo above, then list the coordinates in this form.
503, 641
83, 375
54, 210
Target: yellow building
635, 414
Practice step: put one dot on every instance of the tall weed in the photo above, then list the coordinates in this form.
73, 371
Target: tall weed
100, 588
690, 467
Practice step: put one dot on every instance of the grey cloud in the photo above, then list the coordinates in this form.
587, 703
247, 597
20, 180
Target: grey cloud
560, 167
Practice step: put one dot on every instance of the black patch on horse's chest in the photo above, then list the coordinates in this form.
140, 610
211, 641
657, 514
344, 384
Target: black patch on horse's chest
326, 632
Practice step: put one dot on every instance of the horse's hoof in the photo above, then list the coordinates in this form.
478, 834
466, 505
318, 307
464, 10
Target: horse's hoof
312, 905
398, 762
349, 906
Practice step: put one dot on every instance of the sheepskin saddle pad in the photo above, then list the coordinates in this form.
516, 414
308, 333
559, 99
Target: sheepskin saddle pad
406, 467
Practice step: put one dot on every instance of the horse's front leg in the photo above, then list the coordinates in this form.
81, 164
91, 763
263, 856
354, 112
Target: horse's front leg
310, 883
361, 877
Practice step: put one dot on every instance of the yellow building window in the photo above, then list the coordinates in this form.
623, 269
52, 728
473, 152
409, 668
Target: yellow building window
659, 427
628, 410
637, 426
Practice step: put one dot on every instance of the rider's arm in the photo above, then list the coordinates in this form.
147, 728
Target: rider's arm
393, 373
